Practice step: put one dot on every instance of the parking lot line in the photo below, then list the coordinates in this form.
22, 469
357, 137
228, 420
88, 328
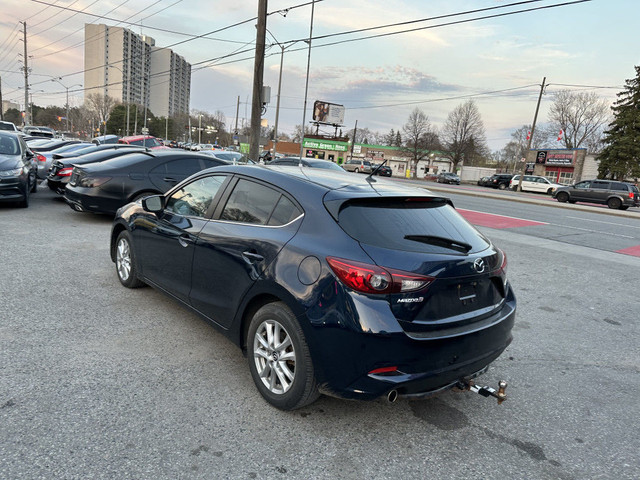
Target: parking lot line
496, 221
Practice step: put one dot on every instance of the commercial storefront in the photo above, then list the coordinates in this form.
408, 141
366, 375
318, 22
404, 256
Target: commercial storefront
558, 165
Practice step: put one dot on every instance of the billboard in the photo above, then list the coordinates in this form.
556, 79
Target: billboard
330, 113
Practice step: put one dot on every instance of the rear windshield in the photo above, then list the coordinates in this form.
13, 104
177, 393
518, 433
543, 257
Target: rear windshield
387, 223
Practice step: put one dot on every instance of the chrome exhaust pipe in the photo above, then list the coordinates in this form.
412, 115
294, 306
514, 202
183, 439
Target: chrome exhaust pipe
392, 396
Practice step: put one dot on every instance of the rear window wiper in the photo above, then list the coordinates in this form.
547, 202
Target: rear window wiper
441, 242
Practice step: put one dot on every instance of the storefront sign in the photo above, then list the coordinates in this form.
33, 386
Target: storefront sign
325, 145
562, 158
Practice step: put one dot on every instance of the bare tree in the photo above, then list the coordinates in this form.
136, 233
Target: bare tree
419, 137
101, 106
297, 133
463, 134
582, 117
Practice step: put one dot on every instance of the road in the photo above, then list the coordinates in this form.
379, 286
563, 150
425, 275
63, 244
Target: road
103, 382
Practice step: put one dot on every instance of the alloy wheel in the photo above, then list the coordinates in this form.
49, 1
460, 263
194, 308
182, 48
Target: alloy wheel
274, 357
123, 259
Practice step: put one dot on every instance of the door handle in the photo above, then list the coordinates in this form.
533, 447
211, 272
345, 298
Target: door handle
185, 240
252, 257
170, 179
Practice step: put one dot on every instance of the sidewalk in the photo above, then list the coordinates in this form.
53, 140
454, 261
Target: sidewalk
522, 197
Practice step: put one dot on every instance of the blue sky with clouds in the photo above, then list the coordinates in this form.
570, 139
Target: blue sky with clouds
378, 80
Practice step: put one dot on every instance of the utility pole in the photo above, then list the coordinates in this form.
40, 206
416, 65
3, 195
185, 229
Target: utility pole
275, 129
237, 113
533, 127
27, 117
258, 70
306, 86
353, 140
1, 104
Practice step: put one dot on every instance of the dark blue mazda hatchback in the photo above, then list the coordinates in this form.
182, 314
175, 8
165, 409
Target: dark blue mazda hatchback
355, 287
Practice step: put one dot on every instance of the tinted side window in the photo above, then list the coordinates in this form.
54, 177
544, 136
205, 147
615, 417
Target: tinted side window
250, 203
583, 185
600, 185
183, 166
284, 212
195, 198
620, 187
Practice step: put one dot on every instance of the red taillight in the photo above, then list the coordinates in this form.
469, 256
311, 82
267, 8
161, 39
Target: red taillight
366, 278
503, 263
41, 158
378, 371
65, 172
631, 195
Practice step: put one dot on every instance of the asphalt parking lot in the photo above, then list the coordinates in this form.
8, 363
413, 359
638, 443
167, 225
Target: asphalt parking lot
99, 381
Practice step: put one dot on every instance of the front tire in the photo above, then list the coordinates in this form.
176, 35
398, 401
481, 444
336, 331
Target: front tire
279, 358
25, 201
125, 262
562, 197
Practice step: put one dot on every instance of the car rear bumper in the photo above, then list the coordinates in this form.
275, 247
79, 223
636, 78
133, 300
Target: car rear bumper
347, 360
87, 200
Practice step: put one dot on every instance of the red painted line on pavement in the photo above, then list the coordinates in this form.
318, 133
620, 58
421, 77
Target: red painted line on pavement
633, 251
496, 221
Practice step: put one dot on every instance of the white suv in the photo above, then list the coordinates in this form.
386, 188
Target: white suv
534, 183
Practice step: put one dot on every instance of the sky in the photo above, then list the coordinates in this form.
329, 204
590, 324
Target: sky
498, 62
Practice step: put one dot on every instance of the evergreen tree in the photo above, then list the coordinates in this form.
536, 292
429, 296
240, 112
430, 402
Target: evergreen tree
398, 140
620, 158
389, 139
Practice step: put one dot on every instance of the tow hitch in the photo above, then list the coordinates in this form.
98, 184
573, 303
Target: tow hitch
485, 391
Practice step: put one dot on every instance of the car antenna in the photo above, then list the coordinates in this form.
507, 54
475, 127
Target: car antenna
370, 177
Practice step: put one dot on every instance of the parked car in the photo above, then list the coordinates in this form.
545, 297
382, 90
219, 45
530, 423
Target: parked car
62, 165
8, 126
231, 157
17, 169
107, 186
144, 141
499, 180
45, 157
448, 177
39, 131
483, 181
383, 171
357, 165
614, 194
406, 299
534, 183
306, 162
105, 139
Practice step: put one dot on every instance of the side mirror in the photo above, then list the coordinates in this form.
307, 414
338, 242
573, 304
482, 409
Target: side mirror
153, 203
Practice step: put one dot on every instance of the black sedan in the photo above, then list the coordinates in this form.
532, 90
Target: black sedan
62, 165
330, 283
17, 169
107, 186
382, 170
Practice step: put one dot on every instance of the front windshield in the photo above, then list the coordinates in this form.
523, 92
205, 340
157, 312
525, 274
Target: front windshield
9, 145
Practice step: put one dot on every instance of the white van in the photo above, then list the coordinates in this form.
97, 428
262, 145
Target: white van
534, 183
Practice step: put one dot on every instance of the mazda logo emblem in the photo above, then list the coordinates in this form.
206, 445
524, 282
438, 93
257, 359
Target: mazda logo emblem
478, 265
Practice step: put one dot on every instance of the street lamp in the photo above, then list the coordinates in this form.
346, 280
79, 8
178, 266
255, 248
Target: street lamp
275, 128
57, 79
128, 95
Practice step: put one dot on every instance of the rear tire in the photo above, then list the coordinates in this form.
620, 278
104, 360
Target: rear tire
502, 186
279, 358
614, 203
